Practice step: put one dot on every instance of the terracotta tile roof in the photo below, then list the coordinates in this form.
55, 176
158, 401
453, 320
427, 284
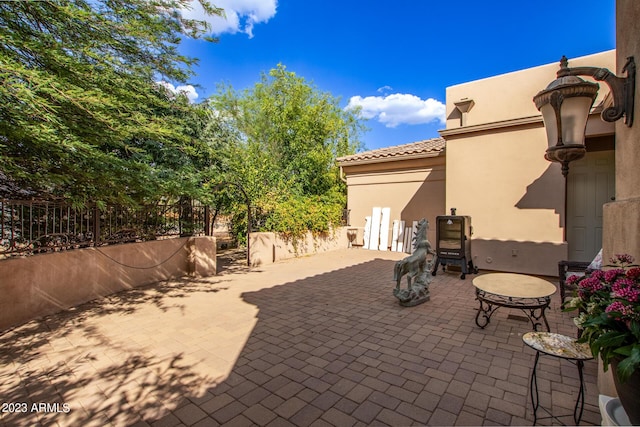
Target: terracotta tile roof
426, 148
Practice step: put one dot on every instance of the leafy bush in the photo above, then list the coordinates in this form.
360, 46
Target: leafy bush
295, 215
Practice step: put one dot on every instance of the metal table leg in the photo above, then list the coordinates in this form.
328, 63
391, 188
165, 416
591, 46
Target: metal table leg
577, 415
534, 308
535, 397
533, 386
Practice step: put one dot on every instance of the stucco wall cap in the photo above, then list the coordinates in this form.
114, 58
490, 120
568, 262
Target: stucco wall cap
426, 148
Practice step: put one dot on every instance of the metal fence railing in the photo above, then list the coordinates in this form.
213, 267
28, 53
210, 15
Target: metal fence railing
28, 227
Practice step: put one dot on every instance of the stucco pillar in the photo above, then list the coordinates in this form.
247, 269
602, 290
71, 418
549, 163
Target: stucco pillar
621, 221
201, 256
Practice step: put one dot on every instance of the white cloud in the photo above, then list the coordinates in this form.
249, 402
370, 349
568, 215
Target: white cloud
187, 90
399, 108
240, 15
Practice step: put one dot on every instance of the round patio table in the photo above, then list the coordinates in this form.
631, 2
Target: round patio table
530, 294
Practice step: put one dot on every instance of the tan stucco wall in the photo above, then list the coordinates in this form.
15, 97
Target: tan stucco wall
413, 189
621, 224
509, 96
621, 218
38, 285
496, 172
267, 248
509, 200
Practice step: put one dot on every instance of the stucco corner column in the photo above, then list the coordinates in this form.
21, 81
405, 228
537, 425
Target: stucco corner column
201, 256
621, 228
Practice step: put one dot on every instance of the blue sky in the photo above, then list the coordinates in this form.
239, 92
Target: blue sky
395, 58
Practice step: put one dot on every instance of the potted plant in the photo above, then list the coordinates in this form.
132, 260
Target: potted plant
608, 303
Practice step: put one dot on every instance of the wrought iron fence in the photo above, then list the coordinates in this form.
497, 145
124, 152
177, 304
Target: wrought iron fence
28, 227
346, 217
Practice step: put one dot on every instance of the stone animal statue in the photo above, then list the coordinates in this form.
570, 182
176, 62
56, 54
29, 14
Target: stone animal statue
417, 268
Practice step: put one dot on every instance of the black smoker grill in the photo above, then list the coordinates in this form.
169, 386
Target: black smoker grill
453, 243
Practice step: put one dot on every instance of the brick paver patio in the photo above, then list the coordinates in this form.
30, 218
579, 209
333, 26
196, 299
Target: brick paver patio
318, 340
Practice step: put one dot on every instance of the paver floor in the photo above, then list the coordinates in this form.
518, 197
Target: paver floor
318, 340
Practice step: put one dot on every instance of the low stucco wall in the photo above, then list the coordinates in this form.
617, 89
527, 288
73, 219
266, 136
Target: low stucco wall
267, 248
38, 285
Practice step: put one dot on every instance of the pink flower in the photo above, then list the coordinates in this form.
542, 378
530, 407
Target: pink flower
590, 285
622, 259
633, 273
626, 289
611, 275
622, 282
573, 279
619, 307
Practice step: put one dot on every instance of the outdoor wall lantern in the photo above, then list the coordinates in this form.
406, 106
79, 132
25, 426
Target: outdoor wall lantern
566, 102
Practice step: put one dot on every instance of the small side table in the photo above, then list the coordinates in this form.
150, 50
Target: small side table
563, 347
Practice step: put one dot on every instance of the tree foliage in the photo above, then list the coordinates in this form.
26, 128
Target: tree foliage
81, 114
84, 117
289, 136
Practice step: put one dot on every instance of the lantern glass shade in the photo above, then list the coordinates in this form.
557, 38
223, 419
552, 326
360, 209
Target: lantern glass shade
550, 124
565, 105
574, 113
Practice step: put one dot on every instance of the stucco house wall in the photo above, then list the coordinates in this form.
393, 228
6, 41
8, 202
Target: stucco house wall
496, 172
409, 179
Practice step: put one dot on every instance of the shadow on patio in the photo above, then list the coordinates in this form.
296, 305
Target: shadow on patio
333, 348
75, 374
337, 347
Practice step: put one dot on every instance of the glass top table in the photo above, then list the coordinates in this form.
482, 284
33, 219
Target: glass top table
562, 347
530, 294
557, 345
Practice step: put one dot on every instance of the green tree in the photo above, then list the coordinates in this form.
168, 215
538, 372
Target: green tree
188, 167
79, 102
289, 136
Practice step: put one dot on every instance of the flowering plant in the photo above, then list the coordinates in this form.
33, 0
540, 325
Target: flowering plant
608, 302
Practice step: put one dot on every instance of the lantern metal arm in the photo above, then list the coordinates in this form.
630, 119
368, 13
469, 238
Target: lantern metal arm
622, 88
